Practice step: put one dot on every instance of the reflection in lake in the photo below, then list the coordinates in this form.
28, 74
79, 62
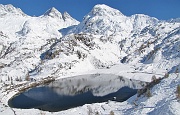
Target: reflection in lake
77, 91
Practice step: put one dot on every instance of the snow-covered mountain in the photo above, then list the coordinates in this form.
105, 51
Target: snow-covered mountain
25, 38
36, 46
106, 37
55, 44
105, 20
10, 10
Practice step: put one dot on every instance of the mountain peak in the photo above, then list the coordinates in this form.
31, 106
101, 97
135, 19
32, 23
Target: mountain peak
102, 9
102, 20
53, 12
10, 9
102, 6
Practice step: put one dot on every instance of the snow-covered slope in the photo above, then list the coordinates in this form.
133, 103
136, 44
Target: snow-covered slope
105, 20
106, 37
55, 44
24, 38
157, 46
10, 10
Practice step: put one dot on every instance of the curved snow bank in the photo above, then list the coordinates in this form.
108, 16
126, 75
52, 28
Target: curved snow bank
163, 100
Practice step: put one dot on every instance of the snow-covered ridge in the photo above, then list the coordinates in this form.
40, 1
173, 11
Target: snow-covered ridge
10, 9
176, 20
103, 10
104, 20
140, 21
53, 12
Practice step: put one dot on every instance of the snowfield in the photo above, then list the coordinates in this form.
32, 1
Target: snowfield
105, 42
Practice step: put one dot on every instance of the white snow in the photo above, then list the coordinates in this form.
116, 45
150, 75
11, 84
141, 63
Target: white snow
105, 42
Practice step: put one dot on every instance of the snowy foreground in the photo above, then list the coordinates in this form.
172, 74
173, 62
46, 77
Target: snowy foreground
163, 99
162, 102
105, 42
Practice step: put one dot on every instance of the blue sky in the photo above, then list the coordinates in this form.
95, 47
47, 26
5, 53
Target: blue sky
161, 9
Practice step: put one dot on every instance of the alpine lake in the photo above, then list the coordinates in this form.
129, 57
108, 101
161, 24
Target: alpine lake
76, 91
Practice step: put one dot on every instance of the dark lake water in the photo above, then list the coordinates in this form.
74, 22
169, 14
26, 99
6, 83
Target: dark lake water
76, 91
